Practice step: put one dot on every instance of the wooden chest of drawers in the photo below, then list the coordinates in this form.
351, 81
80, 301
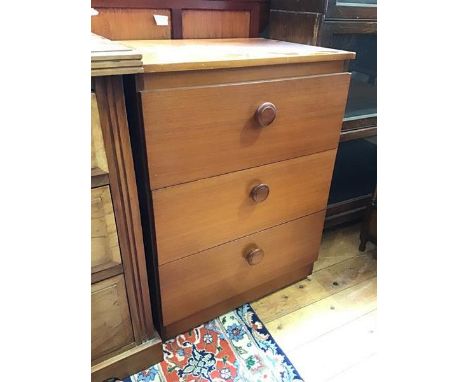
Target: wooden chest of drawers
234, 143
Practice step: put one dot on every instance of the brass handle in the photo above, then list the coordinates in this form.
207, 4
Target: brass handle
265, 114
254, 256
260, 192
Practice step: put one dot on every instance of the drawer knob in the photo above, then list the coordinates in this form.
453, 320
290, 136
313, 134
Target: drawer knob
260, 192
254, 256
265, 114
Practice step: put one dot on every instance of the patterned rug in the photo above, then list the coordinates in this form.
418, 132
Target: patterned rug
234, 347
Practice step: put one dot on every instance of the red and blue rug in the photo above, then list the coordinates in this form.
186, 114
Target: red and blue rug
234, 347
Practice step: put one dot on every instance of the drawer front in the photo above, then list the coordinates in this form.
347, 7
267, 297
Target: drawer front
111, 327
197, 282
198, 215
105, 251
198, 132
98, 154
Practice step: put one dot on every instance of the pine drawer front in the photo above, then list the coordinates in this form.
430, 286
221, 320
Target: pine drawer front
111, 327
199, 215
98, 153
105, 251
197, 132
200, 281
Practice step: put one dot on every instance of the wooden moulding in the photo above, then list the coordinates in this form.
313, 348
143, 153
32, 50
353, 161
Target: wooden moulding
152, 81
111, 58
129, 362
109, 92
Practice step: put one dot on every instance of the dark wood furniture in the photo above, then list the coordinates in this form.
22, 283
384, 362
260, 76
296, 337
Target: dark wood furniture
234, 143
123, 338
369, 225
134, 19
349, 25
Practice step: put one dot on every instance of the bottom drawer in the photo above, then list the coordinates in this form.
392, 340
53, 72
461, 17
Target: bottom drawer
205, 279
111, 327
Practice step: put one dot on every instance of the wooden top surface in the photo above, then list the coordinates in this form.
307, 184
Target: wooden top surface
176, 55
110, 58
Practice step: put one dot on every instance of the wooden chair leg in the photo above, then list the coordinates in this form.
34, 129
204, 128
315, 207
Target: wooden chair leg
362, 245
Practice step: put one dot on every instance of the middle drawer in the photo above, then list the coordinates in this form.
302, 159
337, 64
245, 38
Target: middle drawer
195, 216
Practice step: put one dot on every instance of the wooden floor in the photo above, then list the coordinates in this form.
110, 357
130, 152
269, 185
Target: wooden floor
326, 324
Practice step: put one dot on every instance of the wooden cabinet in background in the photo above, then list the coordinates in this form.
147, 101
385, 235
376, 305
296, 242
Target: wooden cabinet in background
123, 338
188, 19
347, 25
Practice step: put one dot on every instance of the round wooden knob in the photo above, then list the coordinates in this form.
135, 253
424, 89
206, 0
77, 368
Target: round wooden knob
259, 193
265, 114
254, 256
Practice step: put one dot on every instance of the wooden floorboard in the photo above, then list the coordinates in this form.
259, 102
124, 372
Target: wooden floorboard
323, 316
319, 285
326, 323
333, 355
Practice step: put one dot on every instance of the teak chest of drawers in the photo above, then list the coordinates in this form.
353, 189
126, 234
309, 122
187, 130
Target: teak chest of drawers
234, 143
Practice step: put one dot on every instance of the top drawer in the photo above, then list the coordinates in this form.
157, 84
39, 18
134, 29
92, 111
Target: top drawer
198, 132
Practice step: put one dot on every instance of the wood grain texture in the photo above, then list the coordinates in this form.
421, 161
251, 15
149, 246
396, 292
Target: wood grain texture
319, 285
214, 275
98, 153
103, 273
99, 180
105, 251
339, 350
337, 342
215, 24
128, 362
114, 64
110, 58
260, 290
338, 245
222, 134
111, 327
312, 321
109, 92
198, 215
258, 10
188, 54
151, 81
130, 24
299, 27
